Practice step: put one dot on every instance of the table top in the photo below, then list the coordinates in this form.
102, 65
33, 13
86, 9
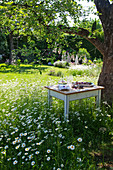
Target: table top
73, 90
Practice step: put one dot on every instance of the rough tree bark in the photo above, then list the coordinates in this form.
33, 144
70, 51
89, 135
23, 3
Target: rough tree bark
105, 10
106, 77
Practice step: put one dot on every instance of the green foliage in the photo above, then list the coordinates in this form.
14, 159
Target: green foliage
18, 62
26, 61
83, 55
54, 73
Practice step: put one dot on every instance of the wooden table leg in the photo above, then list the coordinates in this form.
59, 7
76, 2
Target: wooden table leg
66, 107
98, 98
49, 99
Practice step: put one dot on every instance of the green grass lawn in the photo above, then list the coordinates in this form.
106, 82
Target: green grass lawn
33, 136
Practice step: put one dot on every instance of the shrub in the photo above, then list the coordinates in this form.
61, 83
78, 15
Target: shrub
52, 73
61, 64
59, 74
83, 55
91, 70
18, 62
26, 61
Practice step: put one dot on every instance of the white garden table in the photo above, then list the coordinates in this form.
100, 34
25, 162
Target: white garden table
73, 94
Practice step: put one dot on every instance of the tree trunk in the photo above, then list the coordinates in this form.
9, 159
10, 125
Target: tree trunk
11, 47
106, 79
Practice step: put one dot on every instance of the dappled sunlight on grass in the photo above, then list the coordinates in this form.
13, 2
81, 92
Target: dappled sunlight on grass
33, 136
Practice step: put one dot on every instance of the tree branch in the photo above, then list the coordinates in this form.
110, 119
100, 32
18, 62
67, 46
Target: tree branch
85, 34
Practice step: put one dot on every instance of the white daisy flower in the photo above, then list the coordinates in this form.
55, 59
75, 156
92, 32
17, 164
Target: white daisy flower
17, 146
68, 147
6, 147
4, 152
14, 142
62, 165
79, 159
30, 156
49, 150
8, 159
32, 163
48, 158
27, 149
15, 162
79, 139
37, 152
72, 147
19, 154
23, 145
21, 134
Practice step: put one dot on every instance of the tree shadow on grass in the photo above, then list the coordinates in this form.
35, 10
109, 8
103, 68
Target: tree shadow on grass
28, 69
104, 157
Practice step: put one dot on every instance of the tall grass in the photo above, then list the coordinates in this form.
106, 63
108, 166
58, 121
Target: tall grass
33, 136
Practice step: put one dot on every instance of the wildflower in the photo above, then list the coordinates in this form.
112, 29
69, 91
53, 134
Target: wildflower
17, 146
79, 139
83, 149
62, 165
49, 150
79, 159
19, 140
38, 143
14, 142
27, 149
21, 134
16, 130
25, 134
37, 152
15, 162
19, 154
12, 133
14, 109
16, 138
72, 147
67, 121
60, 135
68, 147
8, 139
58, 168
3, 152
48, 158
23, 145
30, 156
23, 157
32, 163
8, 159
6, 146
